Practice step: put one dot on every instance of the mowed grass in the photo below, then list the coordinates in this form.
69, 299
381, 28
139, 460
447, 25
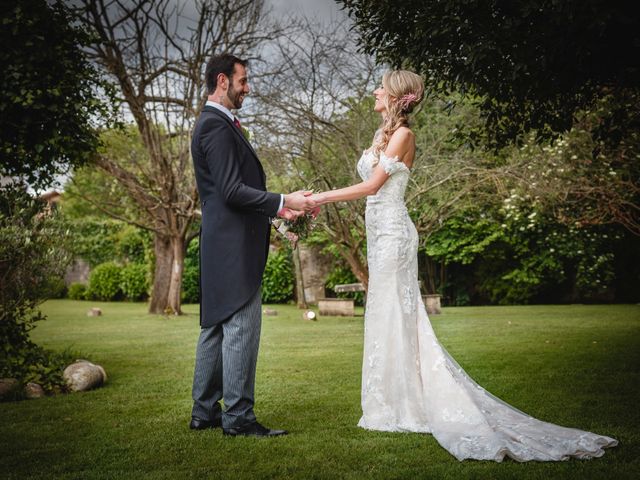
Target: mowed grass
578, 366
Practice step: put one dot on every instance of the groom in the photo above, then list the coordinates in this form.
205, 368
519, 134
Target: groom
234, 243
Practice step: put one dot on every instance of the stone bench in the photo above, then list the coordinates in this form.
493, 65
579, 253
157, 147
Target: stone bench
432, 304
349, 287
340, 306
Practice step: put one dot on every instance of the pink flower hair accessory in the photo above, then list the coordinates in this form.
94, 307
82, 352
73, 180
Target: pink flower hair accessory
407, 100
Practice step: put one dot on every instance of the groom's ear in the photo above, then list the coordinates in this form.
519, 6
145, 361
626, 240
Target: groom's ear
222, 81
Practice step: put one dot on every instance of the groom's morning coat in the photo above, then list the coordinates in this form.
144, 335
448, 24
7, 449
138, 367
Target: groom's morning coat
234, 239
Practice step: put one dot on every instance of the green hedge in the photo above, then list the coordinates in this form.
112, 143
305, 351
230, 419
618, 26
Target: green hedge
278, 281
101, 241
105, 282
77, 291
191, 285
342, 276
191, 273
34, 256
134, 281
56, 288
133, 244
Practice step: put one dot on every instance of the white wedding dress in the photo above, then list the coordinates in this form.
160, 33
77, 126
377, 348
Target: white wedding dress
409, 381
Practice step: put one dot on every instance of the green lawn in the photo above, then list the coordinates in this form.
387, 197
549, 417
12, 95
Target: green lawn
576, 365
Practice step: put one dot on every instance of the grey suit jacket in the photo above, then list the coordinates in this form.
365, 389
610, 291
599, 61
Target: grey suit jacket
234, 238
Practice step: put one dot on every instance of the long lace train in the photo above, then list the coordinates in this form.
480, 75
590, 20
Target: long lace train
409, 381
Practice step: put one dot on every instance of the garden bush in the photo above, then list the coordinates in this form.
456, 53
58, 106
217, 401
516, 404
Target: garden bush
77, 291
134, 281
341, 276
32, 252
278, 280
191, 285
132, 244
95, 241
191, 273
55, 288
105, 281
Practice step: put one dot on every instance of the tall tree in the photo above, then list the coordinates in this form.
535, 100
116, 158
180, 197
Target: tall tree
49, 99
312, 125
532, 63
531, 67
49, 93
317, 120
155, 52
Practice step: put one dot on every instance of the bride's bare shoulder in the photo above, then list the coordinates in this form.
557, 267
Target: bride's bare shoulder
402, 135
402, 139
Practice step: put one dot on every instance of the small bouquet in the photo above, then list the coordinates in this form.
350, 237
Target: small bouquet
297, 228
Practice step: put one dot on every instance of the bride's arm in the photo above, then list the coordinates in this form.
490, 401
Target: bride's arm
359, 190
398, 146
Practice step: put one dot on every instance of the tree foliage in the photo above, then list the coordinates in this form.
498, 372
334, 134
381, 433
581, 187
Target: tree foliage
32, 252
530, 64
191, 280
278, 278
105, 282
49, 93
314, 123
516, 252
155, 53
134, 281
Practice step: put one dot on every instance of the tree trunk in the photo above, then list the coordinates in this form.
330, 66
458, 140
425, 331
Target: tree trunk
167, 278
357, 267
174, 299
431, 275
162, 274
300, 296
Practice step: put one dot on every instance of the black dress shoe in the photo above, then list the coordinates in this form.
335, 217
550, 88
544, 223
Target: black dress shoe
199, 424
253, 430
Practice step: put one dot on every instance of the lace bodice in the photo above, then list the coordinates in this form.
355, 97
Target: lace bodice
393, 189
409, 381
391, 236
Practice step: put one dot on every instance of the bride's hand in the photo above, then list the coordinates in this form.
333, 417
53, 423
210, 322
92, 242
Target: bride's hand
319, 198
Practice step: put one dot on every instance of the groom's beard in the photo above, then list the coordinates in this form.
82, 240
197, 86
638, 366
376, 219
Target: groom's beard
235, 97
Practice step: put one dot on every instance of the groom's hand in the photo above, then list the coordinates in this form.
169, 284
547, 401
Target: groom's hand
315, 212
300, 200
289, 214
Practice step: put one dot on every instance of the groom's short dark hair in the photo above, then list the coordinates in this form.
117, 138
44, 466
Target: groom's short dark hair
223, 63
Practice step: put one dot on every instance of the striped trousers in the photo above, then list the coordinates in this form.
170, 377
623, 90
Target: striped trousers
225, 368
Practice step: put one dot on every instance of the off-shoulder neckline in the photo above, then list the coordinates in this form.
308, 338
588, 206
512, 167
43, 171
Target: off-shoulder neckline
394, 159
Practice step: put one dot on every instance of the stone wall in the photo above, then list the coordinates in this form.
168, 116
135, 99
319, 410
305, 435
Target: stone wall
315, 269
77, 272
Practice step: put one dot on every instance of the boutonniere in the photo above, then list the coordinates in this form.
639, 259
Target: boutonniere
247, 134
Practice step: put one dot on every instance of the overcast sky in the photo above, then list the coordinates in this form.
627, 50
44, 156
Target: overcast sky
321, 9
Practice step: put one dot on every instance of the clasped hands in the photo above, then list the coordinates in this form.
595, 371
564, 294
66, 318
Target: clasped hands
297, 204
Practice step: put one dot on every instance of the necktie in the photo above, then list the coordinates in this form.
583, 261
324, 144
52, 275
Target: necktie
236, 122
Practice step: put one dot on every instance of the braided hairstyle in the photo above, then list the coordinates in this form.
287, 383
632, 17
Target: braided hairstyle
405, 91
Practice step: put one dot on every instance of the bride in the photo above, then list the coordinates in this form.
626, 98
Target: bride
409, 381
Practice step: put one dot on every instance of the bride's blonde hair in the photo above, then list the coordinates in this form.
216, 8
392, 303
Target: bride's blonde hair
405, 91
